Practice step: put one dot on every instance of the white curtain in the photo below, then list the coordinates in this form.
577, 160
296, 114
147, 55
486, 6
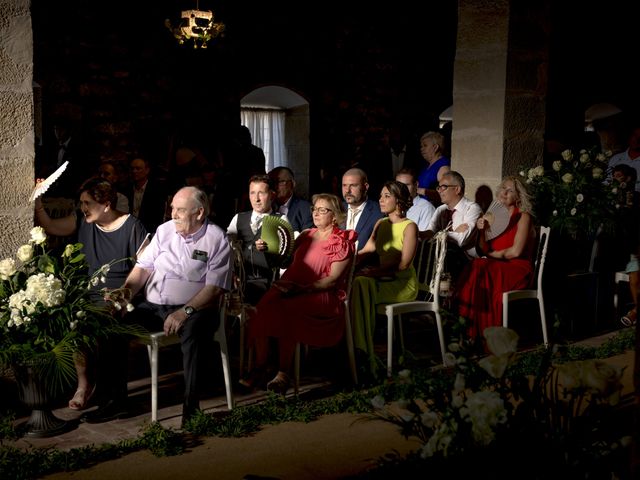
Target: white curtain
267, 132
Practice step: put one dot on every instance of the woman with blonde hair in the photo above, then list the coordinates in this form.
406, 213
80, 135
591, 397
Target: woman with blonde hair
505, 263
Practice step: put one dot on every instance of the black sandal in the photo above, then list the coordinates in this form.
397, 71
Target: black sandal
280, 383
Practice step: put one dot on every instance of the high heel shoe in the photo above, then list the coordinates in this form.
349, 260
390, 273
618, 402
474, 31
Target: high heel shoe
279, 384
80, 399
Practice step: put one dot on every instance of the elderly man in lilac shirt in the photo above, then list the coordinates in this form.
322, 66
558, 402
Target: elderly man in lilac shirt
184, 272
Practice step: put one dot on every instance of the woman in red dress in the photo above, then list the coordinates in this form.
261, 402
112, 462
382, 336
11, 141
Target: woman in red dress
307, 304
505, 263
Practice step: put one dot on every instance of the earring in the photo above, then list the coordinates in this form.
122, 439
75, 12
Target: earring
106, 209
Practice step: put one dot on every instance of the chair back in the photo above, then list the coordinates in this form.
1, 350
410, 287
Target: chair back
541, 256
430, 268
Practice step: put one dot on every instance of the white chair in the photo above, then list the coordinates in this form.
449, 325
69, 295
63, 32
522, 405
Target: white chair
348, 334
157, 340
619, 277
429, 270
533, 293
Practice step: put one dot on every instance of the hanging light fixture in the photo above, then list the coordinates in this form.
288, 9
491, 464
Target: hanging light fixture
196, 26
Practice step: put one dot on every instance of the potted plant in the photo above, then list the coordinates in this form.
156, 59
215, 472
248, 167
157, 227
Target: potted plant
49, 312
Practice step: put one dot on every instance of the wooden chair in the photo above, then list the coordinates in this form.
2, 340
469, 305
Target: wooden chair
430, 269
533, 293
157, 340
348, 334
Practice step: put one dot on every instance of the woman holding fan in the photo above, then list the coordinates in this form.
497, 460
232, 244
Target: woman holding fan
505, 261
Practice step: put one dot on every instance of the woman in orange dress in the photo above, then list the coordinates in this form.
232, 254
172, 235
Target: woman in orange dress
505, 263
307, 304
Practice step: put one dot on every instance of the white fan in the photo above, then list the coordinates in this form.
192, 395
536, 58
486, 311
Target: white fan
44, 185
497, 216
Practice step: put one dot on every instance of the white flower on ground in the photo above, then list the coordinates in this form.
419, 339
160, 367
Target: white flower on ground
557, 165
449, 359
485, 411
501, 340
38, 235
429, 419
580, 198
378, 402
439, 442
7, 268
573, 211
567, 178
25, 253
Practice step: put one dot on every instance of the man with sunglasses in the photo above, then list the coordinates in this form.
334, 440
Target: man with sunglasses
458, 215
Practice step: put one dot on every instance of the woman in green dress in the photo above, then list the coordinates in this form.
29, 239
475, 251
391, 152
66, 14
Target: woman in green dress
392, 278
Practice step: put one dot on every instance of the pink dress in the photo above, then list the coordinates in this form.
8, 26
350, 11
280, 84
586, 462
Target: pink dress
315, 318
484, 280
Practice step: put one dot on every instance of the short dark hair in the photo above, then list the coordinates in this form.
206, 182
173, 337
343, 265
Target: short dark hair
458, 178
401, 193
275, 171
262, 178
100, 190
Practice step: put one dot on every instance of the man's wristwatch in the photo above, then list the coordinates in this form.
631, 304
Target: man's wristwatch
189, 310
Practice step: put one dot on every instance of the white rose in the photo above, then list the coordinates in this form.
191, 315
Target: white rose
596, 173
579, 198
567, 178
130, 307
25, 253
573, 211
555, 213
584, 158
539, 171
601, 157
557, 165
38, 235
7, 268
68, 250
567, 155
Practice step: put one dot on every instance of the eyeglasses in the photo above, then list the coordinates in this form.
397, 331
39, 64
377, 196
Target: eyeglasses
321, 210
443, 187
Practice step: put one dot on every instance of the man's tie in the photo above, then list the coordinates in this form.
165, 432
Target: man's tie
447, 217
255, 226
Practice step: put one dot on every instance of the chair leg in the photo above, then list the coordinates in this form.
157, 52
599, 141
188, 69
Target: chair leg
443, 349
505, 312
543, 319
389, 344
351, 351
152, 350
221, 338
296, 369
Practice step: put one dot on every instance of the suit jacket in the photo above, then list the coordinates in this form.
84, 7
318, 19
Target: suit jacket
368, 218
299, 214
78, 170
153, 204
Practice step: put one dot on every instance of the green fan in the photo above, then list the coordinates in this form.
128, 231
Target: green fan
278, 234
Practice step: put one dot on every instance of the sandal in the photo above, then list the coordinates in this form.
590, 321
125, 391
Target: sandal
629, 320
81, 398
279, 384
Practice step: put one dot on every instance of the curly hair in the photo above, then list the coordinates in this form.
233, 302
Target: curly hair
100, 190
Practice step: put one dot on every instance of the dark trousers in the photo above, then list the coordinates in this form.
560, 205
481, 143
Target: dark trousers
195, 335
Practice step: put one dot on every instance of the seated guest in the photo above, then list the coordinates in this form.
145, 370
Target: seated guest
106, 234
393, 279
295, 208
247, 227
421, 209
107, 170
184, 272
306, 304
458, 215
506, 262
362, 213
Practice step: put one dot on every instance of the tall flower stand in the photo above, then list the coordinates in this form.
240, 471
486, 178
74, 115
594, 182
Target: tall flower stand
33, 393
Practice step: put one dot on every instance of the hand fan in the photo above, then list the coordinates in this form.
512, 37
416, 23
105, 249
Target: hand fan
44, 185
497, 216
278, 234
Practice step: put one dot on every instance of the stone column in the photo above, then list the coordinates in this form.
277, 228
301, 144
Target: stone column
16, 124
499, 89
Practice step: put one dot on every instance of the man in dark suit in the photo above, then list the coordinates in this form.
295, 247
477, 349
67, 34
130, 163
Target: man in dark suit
362, 213
295, 208
147, 196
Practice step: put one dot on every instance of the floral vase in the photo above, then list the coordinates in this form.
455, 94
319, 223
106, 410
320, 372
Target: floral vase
34, 394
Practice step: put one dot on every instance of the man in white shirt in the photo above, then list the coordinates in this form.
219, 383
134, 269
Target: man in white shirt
458, 215
247, 227
631, 156
422, 210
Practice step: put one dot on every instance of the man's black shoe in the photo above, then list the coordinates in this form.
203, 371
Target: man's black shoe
111, 410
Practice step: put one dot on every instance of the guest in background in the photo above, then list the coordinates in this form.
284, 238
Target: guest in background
506, 261
313, 286
295, 208
362, 213
147, 195
393, 279
106, 235
433, 150
631, 156
247, 227
107, 170
421, 209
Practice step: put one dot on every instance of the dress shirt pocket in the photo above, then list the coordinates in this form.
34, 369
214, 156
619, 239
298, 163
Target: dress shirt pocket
195, 270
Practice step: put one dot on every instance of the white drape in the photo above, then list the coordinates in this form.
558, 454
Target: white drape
267, 132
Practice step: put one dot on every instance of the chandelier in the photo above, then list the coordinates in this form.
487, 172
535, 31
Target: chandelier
196, 27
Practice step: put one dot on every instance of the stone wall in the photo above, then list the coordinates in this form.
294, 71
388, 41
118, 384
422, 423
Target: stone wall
16, 124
